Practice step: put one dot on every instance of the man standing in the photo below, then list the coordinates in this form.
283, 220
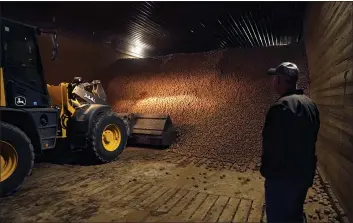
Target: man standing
288, 157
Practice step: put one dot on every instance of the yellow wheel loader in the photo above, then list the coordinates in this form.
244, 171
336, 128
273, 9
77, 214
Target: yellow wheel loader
34, 115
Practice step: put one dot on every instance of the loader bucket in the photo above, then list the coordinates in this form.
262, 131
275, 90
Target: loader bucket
150, 130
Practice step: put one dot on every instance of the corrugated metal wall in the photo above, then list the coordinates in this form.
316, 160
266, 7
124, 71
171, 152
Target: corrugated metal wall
148, 29
329, 45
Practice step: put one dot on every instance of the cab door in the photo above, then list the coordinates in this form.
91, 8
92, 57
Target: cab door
23, 77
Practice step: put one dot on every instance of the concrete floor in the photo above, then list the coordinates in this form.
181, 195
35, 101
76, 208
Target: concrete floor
147, 185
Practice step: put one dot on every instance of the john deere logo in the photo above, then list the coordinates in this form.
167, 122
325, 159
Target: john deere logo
20, 101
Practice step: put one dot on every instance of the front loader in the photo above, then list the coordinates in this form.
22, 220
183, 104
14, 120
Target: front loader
35, 115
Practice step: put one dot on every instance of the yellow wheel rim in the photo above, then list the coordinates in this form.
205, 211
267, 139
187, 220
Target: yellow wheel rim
111, 137
8, 160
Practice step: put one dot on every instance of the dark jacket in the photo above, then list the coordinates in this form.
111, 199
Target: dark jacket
289, 136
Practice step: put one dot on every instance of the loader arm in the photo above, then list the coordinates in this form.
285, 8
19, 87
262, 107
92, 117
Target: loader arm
67, 97
59, 97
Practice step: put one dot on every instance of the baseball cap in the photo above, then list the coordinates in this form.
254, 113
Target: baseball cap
286, 69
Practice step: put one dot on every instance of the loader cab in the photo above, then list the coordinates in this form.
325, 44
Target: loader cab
23, 83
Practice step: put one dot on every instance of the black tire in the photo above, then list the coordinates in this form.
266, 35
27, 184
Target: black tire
96, 147
25, 155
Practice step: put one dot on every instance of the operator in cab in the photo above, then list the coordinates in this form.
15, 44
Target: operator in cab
288, 147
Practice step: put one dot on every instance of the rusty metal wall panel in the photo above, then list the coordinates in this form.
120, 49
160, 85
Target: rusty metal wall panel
76, 58
329, 44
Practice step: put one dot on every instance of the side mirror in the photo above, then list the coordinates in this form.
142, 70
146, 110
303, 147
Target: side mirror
54, 53
54, 40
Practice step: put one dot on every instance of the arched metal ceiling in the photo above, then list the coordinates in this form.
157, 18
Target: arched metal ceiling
157, 28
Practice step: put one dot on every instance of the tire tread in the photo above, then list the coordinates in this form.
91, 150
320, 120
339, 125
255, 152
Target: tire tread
92, 136
25, 137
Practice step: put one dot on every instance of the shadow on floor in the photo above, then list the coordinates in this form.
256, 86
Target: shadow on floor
62, 155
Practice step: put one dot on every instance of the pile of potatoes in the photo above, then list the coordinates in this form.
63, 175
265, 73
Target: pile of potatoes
217, 100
